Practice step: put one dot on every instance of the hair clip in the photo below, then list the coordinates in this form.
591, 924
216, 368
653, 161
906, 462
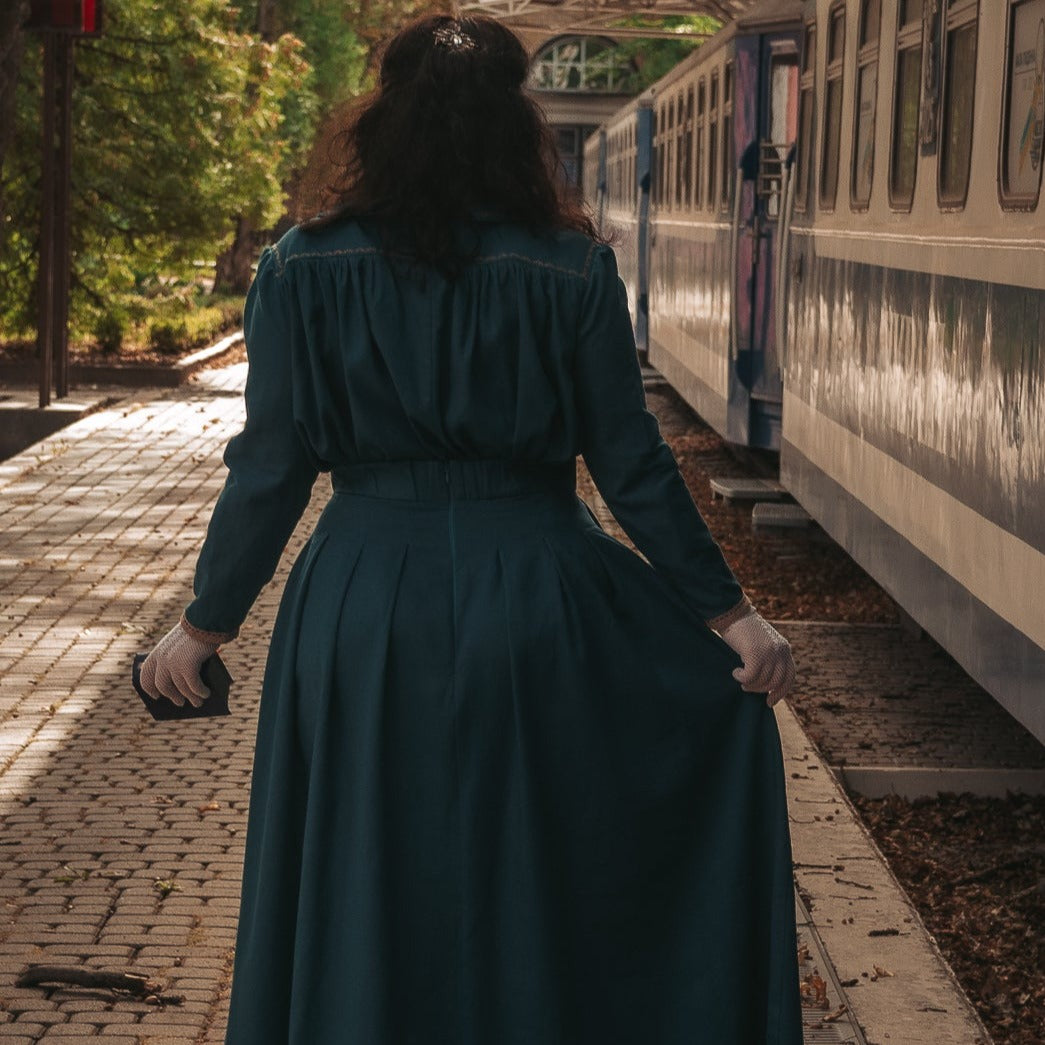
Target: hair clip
451, 36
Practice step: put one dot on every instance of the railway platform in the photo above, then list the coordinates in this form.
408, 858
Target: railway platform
121, 844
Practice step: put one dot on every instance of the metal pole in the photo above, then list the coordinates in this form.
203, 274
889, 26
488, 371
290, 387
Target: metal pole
63, 194
46, 273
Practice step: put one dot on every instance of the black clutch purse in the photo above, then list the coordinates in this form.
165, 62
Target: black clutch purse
214, 674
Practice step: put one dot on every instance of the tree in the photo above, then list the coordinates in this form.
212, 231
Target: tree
653, 57
341, 41
169, 147
12, 43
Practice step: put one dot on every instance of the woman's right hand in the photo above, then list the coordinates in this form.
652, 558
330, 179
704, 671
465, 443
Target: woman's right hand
768, 665
172, 669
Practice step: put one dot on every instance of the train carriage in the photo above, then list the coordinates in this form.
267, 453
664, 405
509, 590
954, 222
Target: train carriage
912, 412
871, 298
716, 131
619, 159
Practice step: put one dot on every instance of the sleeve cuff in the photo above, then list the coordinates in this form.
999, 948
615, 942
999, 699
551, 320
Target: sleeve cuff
742, 609
215, 638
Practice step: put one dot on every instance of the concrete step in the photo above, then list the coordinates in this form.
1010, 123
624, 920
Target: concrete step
747, 489
770, 516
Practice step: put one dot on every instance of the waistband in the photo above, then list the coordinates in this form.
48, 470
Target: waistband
445, 478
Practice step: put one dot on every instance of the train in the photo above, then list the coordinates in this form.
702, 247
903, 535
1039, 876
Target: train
833, 240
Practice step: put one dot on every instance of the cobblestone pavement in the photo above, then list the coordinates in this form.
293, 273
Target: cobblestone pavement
121, 843
122, 839
874, 695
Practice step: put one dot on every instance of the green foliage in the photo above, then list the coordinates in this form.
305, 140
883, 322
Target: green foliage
336, 53
652, 57
191, 330
109, 331
181, 124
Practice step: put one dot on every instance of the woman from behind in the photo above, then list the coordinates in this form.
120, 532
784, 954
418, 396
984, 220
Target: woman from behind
513, 784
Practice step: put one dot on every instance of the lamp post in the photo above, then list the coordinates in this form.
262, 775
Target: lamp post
59, 22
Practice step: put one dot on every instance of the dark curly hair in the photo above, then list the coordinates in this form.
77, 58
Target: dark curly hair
449, 127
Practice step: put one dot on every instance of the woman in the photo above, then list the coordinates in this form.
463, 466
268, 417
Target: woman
510, 788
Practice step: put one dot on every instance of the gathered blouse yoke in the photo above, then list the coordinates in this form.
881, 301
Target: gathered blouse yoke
528, 355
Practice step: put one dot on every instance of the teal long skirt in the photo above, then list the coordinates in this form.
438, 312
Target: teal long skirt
505, 790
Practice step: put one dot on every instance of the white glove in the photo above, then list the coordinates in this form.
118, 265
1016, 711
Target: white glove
768, 665
172, 669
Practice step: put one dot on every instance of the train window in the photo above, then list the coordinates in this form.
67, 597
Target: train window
832, 108
686, 173
809, 48
615, 169
712, 141
783, 96
866, 105
807, 85
870, 22
1024, 120
959, 93
632, 179
907, 90
727, 135
661, 158
698, 172
679, 162
836, 28
669, 158
655, 179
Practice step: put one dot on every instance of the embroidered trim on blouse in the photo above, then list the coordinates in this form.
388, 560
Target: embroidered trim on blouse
212, 637
347, 251
742, 609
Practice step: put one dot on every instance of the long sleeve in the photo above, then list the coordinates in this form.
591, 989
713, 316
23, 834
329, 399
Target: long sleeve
271, 469
632, 466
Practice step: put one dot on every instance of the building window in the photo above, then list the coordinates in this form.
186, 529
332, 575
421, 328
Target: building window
712, 141
959, 96
907, 94
589, 64
866, 103
1024, 119
832, 108
698, 173
807, 86
570, 141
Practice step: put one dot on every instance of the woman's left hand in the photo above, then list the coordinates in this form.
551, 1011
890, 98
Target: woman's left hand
768, 665
172, 669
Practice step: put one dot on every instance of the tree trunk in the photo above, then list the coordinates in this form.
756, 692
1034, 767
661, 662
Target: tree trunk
232, 268
12, 46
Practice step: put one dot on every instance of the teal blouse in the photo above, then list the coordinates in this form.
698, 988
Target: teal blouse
529, 354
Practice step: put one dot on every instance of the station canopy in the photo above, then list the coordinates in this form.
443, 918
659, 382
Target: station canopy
552, 17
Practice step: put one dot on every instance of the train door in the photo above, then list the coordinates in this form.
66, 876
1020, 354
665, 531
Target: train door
777, 123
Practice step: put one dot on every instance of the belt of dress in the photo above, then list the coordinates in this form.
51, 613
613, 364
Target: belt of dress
445, 478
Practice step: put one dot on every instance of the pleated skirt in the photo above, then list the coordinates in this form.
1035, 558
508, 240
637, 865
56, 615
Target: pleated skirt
505, 790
